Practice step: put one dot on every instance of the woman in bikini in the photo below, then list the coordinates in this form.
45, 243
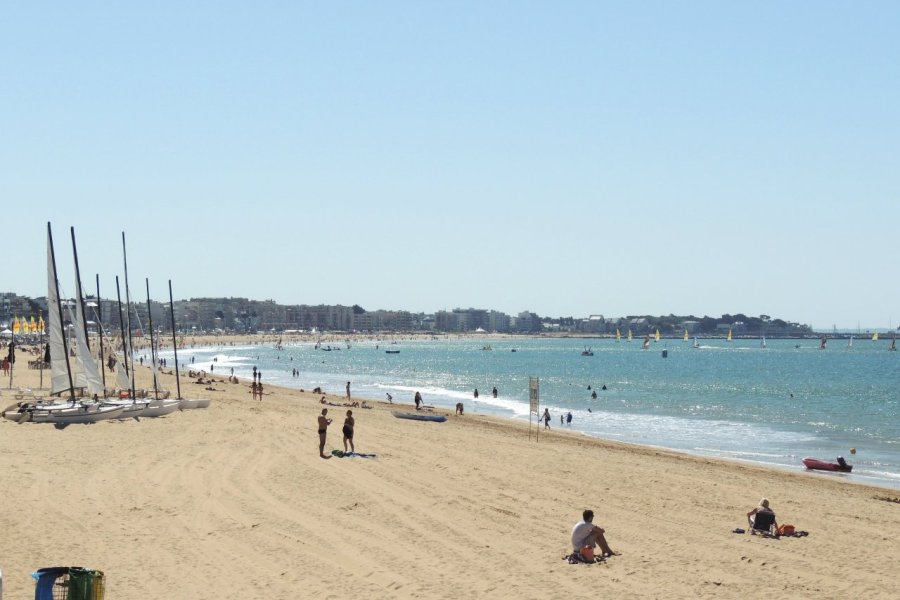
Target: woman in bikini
349, 422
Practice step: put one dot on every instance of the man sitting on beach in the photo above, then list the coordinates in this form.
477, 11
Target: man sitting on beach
585, 533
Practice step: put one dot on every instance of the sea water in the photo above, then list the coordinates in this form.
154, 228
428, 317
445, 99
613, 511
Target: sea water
771, 405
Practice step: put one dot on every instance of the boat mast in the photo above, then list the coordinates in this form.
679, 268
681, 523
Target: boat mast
83, 308
128, 314
124, 341
174, 341
80, 298
60, 312
152, 347
99, 312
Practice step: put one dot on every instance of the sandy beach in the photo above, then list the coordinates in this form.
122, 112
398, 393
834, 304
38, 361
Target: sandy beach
234, 502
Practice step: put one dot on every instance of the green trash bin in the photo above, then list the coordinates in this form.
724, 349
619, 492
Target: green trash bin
85, 584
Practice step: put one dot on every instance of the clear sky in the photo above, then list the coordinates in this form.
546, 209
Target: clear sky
567, 158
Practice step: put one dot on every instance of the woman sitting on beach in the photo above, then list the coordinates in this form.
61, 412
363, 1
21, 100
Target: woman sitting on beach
762, 508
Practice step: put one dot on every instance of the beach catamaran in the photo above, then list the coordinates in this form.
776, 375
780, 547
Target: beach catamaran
61, 377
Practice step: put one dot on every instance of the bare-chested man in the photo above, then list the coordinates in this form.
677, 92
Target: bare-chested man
323, 428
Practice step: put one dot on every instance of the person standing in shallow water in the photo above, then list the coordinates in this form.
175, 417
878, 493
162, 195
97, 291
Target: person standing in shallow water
324, 422
348, 390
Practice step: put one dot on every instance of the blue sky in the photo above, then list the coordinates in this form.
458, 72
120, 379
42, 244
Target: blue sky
568, 158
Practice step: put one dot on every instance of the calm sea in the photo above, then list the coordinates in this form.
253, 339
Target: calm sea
736, 400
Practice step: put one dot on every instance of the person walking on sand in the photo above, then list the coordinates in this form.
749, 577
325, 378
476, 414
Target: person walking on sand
324, 422
347, 430
546, 418
418, 400
348, 390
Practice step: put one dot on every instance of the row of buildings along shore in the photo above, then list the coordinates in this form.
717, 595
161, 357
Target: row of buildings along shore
244, 315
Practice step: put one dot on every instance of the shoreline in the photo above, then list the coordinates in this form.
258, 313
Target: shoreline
626, 426
467, 508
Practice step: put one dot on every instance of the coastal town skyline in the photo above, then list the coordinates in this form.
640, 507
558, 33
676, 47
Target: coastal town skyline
566, 159
235, 313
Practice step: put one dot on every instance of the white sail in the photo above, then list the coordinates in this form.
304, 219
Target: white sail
86, 375
59, 369
154, 363
122, 381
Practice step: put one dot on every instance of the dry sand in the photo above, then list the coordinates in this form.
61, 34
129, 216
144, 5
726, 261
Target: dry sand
234, 502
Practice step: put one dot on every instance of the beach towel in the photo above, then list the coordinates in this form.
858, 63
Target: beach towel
577, 558
342, 454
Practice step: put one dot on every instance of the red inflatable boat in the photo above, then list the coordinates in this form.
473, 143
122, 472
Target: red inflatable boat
824, 465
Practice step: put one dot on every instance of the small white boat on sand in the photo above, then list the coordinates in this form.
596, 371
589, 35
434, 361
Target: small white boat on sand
90, 413
159, 408
186, 404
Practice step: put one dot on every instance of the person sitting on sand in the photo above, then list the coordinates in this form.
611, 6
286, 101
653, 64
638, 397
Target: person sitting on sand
762, 508
347, 430
585, 533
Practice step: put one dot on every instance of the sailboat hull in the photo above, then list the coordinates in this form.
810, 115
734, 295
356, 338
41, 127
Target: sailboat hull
80, 414
185, 404
159, 408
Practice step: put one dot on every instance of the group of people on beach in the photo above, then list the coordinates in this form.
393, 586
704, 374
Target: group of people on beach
586, 536
563, 418
347, 430
256, 388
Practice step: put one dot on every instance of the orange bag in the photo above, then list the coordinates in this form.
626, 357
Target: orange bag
786, 530
588, 553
